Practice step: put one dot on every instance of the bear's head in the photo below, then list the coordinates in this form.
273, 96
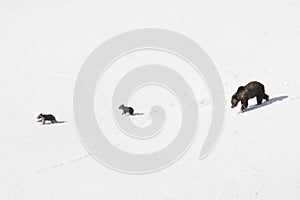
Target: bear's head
236, 98
234, 101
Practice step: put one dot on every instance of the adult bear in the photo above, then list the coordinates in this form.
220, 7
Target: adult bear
251, 90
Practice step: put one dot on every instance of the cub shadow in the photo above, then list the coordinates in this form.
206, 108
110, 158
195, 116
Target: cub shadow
134, 114
61, 122
266, 103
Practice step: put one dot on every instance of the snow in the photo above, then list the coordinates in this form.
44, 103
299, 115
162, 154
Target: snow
44, 44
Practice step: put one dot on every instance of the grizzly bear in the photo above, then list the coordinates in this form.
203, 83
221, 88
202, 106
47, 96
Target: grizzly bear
251, 90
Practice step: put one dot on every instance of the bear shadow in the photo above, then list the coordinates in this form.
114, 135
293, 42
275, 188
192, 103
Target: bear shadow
135, 114
266, 103
58, 122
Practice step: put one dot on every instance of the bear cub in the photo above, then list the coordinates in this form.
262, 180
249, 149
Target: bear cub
43, 118
249, 91
126, 109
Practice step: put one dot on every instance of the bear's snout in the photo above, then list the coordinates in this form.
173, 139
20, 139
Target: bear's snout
234, 102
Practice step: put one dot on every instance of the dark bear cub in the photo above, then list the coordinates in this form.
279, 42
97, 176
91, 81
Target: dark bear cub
126, 110
43, 118
251, 90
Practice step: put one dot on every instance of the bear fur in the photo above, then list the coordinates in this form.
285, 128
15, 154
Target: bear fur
43, 118
251, 90
126, 110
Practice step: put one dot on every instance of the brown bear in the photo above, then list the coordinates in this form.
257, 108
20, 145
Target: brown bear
244, 93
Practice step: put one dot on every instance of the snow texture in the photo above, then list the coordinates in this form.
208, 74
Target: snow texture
43, 45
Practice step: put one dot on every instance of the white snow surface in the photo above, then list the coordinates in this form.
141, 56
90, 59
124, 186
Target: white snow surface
43, 45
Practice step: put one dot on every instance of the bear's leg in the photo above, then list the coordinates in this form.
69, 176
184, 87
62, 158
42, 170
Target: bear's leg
259, 99
266, 97
244, 105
